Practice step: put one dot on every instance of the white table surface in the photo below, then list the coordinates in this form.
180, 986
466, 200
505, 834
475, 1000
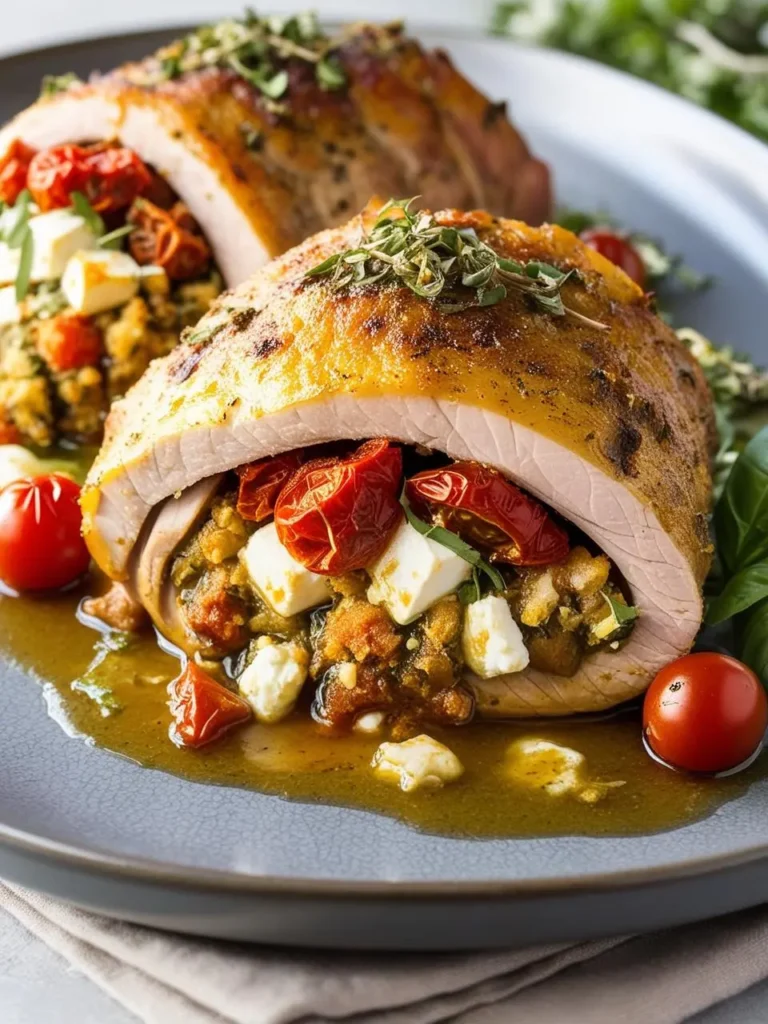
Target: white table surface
36, 985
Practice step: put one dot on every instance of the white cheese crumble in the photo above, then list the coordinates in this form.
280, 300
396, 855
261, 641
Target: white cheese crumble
101, 279
286, 586
417, 763
413, 574
272, 682
491, 641
556, 770
56, 236
10, 311
371, 722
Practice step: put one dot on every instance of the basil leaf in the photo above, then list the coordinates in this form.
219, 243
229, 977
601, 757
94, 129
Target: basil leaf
741, 591
741, 514
454, 543
83, 209
623, 613
25, 265
753, 633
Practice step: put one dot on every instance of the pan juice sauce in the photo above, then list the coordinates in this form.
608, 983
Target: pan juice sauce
301, 760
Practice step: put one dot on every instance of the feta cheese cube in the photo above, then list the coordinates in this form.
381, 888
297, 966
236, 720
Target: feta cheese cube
16, 462
10, 311
413, 573
55, 237
99, 279
370, 722
273, 680
286, 586
492, 641
417, 763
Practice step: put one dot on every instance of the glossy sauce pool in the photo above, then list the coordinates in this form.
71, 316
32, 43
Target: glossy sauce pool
301, 760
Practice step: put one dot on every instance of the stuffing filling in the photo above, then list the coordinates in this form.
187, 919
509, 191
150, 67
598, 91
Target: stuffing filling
101, 268
386, 646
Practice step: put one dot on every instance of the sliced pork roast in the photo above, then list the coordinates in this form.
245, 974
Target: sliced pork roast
270, 131
610, 427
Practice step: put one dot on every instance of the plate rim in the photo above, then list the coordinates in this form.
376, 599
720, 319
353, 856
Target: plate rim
157, 872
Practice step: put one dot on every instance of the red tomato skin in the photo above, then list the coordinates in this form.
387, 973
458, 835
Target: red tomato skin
14, 168
202, 709
481, 505
41, 547
618, 250
169, 239
109, 177
338, 514
261, 483
705, 713
69, 341
54, 174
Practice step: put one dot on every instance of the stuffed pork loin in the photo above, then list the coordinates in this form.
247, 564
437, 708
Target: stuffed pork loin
567, 447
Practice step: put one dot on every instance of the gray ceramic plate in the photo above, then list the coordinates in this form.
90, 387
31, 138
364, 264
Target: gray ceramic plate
104, 833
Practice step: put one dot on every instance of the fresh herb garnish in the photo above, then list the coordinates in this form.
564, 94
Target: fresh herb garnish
712, 52
17, 234
54, 84
24, 272
90, 684
444, 264
624, 614
83, 208
113, 239
256, 49
454, 543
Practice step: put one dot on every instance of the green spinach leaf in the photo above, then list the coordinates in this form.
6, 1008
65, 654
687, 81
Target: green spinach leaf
741, 592
753, 635
741, 514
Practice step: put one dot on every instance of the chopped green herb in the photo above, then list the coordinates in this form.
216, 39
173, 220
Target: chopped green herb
454, 543
54, 84
90, 685
100, 694
113, 239
444, 264
252, 137
256, 48
83, 209
17, 226
26, 255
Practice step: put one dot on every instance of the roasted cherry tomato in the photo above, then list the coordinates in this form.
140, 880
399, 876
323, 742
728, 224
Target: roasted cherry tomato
705, 713
485, 509
168, 239
41, 547
261, 483
338, 514
9, 432
110, 177
69, 341
14, 168
202, 709
618, 250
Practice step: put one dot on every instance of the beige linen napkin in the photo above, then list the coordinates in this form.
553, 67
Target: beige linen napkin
171, 979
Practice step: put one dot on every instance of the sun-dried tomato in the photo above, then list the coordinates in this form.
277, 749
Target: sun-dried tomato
261, 483
203, 710
168, 239
14, 168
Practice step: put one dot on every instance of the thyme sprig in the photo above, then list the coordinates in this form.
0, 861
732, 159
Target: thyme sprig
445, 264
255, 47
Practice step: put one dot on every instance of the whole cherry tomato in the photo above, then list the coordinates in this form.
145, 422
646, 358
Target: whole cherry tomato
485, 509
41, 547
110, 177
618, 250
203, 710
14, 167
338, 514
167, 239
69, 341
261, 483
705, 713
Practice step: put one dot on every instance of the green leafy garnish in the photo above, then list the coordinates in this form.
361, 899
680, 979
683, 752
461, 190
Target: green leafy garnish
256, 48
100, 694
23, 274
743, 590
90, 684
445, 264
454, 543
18, 223
113, 239
54, 84
623, 613
83, 208
741, 514
712, 52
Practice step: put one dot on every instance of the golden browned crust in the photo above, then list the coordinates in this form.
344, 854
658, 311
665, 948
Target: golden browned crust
629, 400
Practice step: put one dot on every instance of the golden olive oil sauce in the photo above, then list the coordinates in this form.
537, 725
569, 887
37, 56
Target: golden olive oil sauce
121, 704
